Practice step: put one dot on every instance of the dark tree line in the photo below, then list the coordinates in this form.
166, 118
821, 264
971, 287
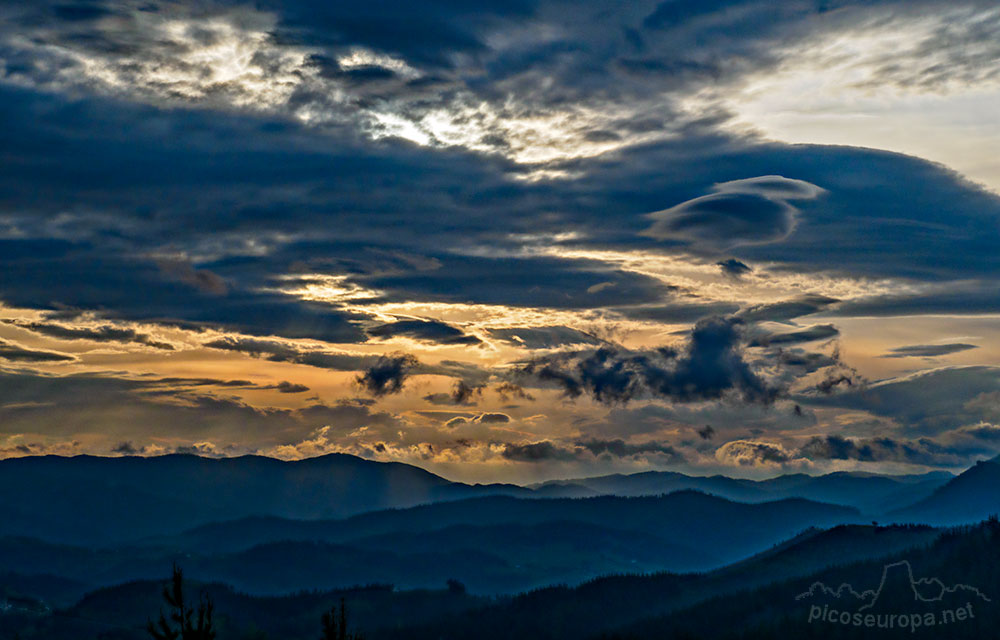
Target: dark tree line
335, 626
187, 622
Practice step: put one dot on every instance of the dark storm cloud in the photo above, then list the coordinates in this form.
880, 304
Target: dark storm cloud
425, 330
928, 350
104, 333
126, 448
710, 367
453, 211
952, 448
547, 450
387, 374
15, 352
259, 197
620, 449
462, 393
733, 268
922, 451
291, 387
810, 334
536, 452
427, 33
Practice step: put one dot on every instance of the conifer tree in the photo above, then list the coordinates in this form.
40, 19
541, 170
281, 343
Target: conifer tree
335, 626
185, 622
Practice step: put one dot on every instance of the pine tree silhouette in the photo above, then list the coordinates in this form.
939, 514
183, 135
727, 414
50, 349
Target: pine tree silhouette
183, 627
335, 627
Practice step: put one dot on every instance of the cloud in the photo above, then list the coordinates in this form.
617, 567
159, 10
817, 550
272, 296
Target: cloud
202, 449
387, 374
928, 350
927, 402
17, 353
462, 393
810, 334
953, 448
300, 172
201, 279
107, 407
750, 211
426, 330
535, 452
559, 283
787, 310
126, 448
103, 333
542, 337
620, 449
291, 387
734, 268
834, 380
492, 418
710, 367
277, 351
508, 390
747, 453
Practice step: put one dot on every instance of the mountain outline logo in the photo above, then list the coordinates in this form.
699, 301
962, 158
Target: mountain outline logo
872, 595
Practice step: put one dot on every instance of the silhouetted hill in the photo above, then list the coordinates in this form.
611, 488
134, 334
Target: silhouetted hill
496, 559
969, 497
94, 500
494, 544
871, 493
928, 583
716, 527
554, 613
121, 612
613, 602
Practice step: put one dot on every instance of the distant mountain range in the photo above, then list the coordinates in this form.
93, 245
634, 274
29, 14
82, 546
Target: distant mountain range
870, 493
492, 544
640, 549
94, 500
646, 605
969, 497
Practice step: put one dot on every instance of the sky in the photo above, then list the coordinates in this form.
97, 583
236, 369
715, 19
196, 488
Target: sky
504, 241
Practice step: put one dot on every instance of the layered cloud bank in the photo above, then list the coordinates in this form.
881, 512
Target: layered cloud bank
510, 241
